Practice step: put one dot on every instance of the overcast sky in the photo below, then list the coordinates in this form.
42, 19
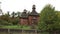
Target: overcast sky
20, 5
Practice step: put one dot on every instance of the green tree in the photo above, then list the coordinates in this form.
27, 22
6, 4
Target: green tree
15, 18
18, 14
13, 14
8, 13
47, 18
57, 24
14, 21
5, 19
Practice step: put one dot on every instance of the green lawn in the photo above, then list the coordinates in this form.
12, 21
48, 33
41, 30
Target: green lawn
16, 27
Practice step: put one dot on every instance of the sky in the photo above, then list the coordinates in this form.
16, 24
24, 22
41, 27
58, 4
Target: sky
20, 5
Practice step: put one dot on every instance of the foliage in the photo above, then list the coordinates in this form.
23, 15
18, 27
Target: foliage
57, 24
48, 18
6, 19
13, 14
18, 13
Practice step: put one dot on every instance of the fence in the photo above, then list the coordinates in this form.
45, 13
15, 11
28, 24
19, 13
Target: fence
20, 31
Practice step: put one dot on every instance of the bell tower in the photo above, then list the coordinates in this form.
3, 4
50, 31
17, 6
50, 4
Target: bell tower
33, 16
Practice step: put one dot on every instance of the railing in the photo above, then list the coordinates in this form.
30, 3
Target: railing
21, 31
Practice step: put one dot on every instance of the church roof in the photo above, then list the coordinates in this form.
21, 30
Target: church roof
24, 14
34, 11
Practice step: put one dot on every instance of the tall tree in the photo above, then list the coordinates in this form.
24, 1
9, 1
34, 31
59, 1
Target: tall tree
8, 13
5, 19
13, 14
47, 17
18, 14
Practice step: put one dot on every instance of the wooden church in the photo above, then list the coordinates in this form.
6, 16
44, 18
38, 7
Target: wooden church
30, 18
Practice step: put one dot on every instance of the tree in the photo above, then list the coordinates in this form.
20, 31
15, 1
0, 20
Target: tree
57, 24
14, 20
13, 14
5, 19
18, 13
47, 18
8, 13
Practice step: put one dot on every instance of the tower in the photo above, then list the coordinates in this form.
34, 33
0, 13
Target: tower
33, 16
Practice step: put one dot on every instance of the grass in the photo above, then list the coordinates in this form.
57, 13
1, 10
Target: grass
19, 27
15, 27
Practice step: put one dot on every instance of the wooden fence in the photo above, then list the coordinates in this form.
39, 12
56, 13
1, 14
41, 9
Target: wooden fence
32, 31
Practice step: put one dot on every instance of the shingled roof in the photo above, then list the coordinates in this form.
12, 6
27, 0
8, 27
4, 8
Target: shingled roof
24, 14
34, 11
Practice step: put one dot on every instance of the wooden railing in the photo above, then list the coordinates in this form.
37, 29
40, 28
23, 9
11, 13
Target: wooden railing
21, 31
